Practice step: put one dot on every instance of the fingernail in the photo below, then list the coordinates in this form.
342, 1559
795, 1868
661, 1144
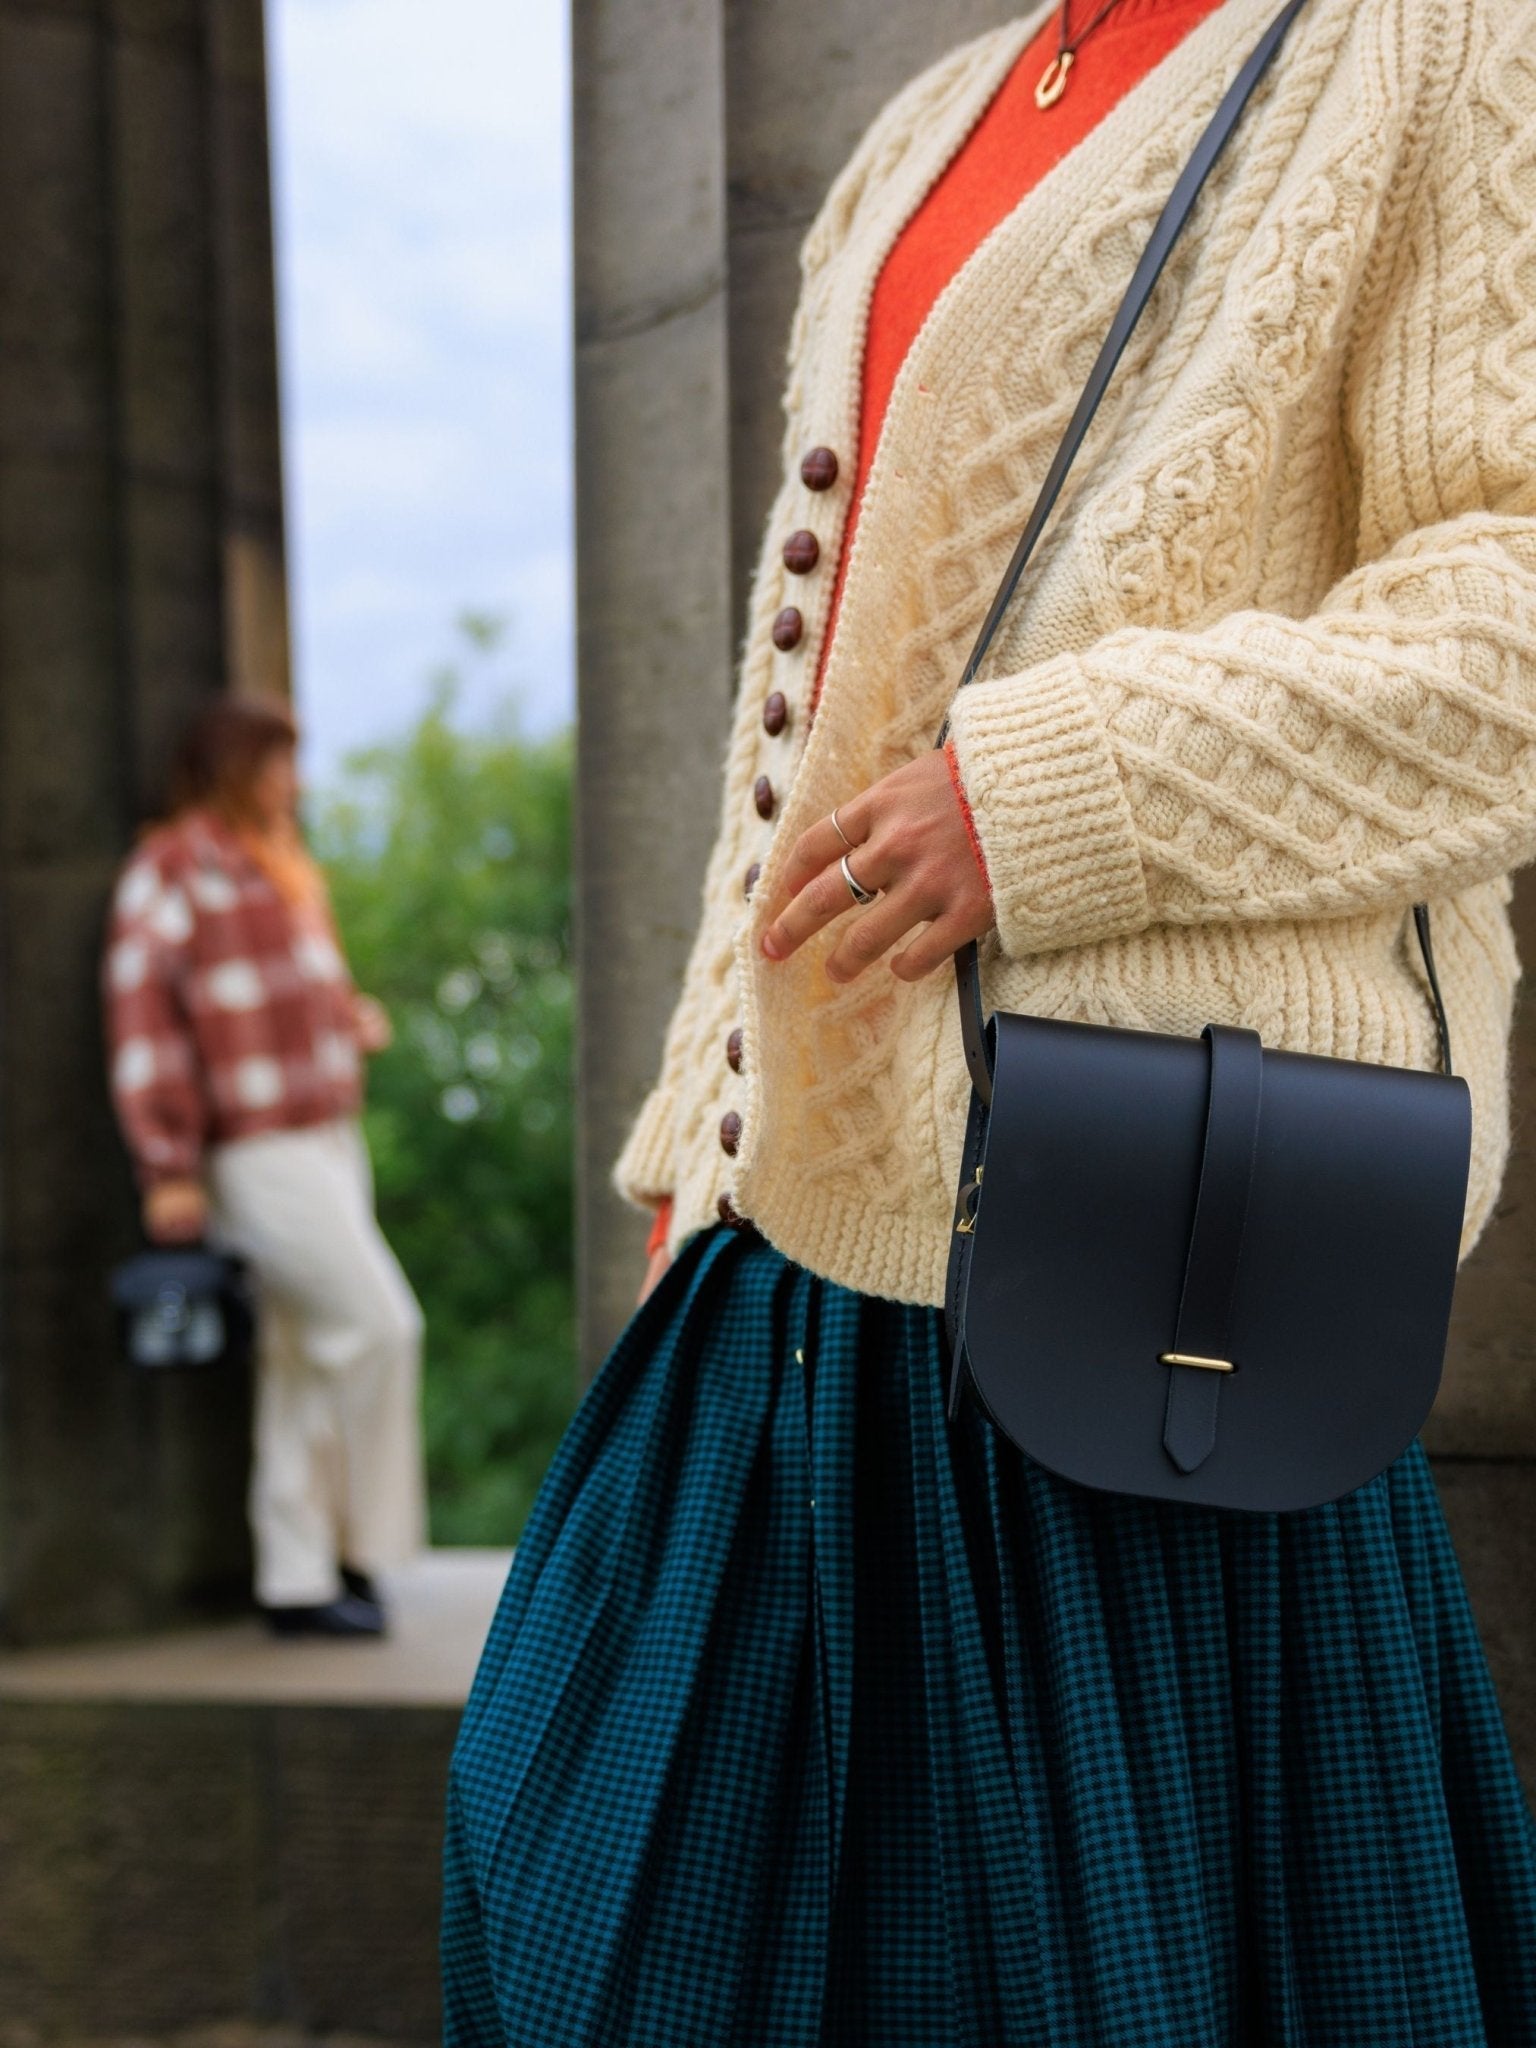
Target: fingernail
770, 947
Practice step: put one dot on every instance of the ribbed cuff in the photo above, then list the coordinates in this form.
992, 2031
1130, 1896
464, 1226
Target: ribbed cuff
957, 783
643, 1173
1050, 810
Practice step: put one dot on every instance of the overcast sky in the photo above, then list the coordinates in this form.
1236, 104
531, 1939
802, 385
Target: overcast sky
420, 159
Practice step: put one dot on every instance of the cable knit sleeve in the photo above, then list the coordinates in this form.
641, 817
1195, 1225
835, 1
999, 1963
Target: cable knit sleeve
1382, 748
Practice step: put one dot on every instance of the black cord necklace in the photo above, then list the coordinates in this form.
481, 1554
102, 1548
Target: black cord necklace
1053, 79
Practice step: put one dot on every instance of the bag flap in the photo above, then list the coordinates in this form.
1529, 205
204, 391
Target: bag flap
1091, 1167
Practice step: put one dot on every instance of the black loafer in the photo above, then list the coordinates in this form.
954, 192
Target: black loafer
344, 1616
360, 1584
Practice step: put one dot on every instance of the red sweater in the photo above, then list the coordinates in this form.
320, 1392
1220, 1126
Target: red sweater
229, 1014
1008, 152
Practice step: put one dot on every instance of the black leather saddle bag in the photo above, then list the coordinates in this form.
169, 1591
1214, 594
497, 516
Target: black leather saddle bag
1196, 1269
1193, 1269
183, 1306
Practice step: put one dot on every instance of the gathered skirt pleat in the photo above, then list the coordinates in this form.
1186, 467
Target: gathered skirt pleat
809, 1719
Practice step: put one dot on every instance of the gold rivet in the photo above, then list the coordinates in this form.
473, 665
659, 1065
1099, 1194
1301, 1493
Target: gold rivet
799, 1358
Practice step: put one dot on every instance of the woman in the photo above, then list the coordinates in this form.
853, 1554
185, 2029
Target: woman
807, 1718
236, 1040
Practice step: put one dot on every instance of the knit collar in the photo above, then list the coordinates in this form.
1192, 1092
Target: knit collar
1124, 12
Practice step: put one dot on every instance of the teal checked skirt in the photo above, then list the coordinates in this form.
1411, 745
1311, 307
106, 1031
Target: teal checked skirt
808, 1720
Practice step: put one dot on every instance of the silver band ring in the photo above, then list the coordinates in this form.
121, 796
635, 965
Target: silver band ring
856, 888
837, 828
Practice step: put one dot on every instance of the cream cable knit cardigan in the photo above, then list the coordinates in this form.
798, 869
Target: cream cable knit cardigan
1273, 674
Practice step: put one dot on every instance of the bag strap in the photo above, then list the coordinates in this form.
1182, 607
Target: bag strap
1154, 256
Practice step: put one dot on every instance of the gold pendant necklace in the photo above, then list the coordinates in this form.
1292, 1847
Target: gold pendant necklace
1053, 79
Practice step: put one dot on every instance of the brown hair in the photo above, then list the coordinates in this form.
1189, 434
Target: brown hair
223, 751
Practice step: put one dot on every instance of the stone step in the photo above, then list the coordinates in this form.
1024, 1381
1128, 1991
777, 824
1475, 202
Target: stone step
217, 1830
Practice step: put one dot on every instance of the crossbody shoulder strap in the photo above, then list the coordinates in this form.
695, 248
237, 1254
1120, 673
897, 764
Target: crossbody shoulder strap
1149, 268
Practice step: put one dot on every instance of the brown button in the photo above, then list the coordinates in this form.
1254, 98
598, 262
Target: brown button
818, 472
802, 551
733, 1050
787, 628
725, 1209
775, 714
730, 1132
762, 796
751, 877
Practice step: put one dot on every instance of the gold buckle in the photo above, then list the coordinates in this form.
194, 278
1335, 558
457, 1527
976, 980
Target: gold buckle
1193, 1358
967, 1224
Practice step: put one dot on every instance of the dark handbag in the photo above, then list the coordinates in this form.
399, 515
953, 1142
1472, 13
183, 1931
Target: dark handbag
1194, 1269
183, 1305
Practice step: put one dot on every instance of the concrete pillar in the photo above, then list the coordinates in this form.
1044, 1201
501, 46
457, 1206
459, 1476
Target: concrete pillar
255, 588
653, 564
1483, 1432
705, 138
140, 571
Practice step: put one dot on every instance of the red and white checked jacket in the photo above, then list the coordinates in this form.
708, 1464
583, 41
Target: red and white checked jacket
228, 1012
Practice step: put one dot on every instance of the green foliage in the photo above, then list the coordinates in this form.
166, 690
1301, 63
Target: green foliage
449, 856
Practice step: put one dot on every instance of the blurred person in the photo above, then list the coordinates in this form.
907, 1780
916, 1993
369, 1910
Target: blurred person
237, 1043
811, 1719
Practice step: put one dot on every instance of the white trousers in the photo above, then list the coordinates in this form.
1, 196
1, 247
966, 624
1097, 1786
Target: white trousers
337, 1475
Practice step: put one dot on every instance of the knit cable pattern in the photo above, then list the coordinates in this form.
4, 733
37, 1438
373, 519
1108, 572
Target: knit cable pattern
1272, 676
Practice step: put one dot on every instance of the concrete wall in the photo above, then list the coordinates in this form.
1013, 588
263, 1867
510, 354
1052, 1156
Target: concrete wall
140, 570
654, 623
1487, 1406
706, 135
243, 1875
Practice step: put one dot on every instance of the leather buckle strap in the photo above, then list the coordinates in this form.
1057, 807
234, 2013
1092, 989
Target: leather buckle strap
973, 1021
1437, 1001
1201, 1357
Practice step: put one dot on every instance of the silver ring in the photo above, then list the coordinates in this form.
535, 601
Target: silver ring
837, 828
856, 888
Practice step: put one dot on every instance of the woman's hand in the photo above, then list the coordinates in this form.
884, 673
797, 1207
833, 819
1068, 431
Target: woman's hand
909, 841
370, 1019
175, 1212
